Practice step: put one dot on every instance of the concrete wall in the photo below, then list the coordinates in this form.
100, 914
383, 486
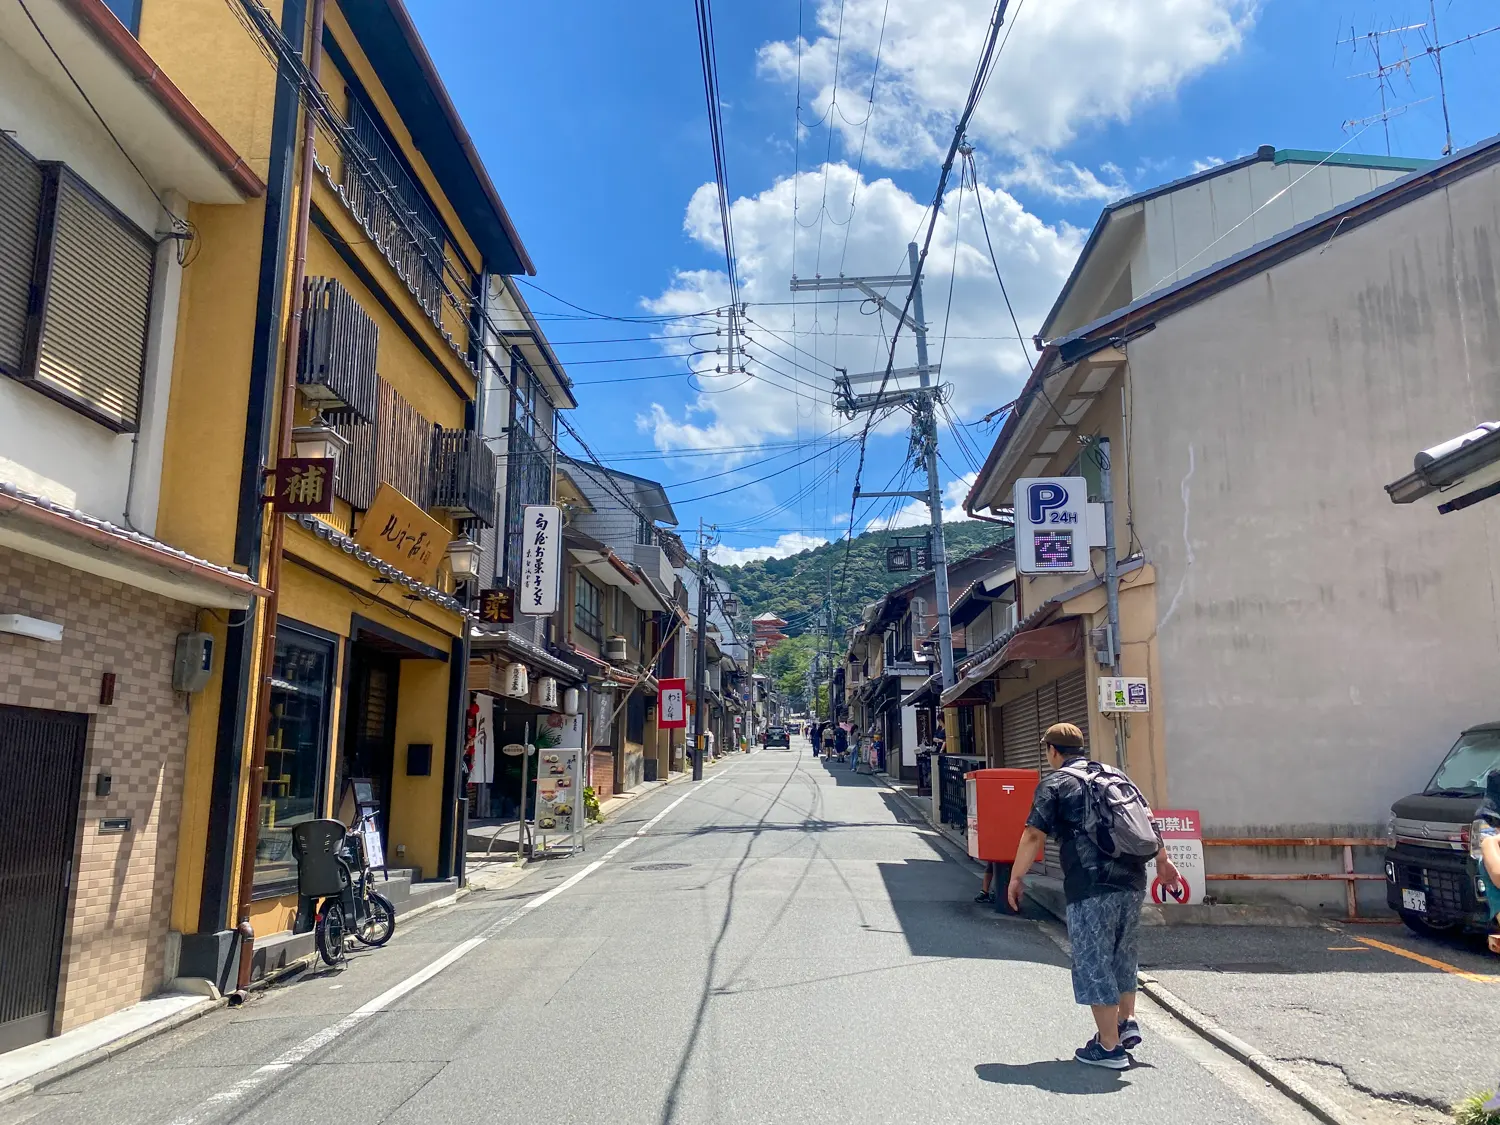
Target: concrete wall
1320, 647
1192, 228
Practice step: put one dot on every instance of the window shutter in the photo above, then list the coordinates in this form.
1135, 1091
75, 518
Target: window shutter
87, 344
20, 203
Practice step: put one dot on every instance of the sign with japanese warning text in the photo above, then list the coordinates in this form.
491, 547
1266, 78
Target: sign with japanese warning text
672, 712
541, 536
304, 486
396, 531
1182, 833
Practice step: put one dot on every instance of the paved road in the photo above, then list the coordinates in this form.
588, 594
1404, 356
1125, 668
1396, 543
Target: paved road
783, 943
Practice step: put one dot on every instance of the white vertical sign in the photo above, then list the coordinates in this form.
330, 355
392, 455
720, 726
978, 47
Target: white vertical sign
541, 536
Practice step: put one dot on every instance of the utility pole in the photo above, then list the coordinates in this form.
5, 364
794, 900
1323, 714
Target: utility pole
921, 400
1111, 584
700, 664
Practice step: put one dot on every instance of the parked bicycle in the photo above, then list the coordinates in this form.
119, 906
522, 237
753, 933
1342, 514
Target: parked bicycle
358, 910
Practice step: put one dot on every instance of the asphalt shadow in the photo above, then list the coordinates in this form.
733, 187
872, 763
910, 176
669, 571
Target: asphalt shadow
1057, 1076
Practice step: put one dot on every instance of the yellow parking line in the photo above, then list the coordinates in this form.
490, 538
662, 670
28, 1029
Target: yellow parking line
1430, 962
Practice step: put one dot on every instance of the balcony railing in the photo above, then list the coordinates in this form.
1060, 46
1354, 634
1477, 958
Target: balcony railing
336, 360
395, 446
463, 475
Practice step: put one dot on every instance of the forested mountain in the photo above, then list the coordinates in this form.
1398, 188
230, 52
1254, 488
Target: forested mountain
794, 587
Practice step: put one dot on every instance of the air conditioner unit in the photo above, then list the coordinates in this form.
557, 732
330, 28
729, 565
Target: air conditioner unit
614, 650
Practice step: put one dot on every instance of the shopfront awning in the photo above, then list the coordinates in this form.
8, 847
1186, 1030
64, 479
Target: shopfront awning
514, 646
1032, 639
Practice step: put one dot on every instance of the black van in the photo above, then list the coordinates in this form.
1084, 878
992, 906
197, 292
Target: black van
1430, 877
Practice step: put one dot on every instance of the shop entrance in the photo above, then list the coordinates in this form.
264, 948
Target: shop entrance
41, 760
370, 723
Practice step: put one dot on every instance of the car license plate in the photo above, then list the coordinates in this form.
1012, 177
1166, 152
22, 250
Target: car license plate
1414, 900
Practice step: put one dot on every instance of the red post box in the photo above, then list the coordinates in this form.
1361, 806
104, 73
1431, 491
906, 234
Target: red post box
999, 803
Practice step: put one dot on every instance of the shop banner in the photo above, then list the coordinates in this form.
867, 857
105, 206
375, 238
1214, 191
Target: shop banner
484, 740
396, 531
568, 730
672, 697
541, 534
559, 792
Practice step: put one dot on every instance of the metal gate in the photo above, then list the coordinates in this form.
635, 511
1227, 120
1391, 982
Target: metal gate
41, 760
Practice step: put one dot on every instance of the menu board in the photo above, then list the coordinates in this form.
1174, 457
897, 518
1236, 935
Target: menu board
559, 792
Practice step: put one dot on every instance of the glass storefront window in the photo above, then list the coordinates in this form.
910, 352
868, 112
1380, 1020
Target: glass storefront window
296, 752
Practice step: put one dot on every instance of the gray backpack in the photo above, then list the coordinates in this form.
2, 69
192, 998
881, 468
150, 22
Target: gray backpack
1116, 816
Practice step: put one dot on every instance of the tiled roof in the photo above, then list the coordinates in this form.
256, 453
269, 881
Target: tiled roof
384, 569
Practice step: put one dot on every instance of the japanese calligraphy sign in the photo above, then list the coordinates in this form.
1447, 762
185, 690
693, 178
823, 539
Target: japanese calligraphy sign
304, 485
1182, 833
398, 532
497, 606
541, 536
672, 714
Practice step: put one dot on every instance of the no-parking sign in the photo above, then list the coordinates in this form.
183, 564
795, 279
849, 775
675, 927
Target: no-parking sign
1182, 833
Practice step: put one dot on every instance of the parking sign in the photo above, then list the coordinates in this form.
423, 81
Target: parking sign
1051, 515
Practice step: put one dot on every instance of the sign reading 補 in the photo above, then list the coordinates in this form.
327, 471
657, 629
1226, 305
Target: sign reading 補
304, 486
1052, 525
672, 714
1124, 693
541, 533
1182, 833
396, 531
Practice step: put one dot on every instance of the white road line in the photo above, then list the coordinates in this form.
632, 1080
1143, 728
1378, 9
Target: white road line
283, 1062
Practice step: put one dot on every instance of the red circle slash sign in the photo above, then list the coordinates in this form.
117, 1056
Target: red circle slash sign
1160, 894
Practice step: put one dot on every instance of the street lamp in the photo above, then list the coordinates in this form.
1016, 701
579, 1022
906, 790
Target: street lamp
463, 559
318, 440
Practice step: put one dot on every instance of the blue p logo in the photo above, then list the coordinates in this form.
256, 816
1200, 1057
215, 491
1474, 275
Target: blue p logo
1041, 498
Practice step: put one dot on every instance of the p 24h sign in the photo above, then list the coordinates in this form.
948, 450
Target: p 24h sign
1051, 515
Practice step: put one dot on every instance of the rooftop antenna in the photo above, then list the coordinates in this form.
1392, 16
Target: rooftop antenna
1374, 41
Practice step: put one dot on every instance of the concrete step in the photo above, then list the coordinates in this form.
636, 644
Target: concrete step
423, 893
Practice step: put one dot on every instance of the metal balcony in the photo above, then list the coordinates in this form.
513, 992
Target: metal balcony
463, 476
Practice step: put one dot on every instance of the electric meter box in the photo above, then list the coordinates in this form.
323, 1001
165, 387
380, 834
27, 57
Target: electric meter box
194, 663
999, 803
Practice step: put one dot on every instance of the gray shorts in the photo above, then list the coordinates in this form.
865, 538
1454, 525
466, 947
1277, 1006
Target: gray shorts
1103, 932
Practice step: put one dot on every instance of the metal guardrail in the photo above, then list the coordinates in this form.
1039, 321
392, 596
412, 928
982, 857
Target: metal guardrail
1349, 877
953, 794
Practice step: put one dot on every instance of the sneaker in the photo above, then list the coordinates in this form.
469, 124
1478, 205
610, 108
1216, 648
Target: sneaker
984, 896
1130, 1034
1091, 1054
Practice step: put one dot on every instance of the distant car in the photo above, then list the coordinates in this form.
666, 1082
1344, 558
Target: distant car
777, 736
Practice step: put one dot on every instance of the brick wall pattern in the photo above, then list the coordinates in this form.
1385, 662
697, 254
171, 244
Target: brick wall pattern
114, 947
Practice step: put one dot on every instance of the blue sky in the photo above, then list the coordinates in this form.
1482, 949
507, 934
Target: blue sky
591, 117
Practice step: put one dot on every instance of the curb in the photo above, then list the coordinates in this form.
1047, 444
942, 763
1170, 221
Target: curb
1268, 1068
62, 1070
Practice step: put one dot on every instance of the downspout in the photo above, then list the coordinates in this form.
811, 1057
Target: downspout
272, 603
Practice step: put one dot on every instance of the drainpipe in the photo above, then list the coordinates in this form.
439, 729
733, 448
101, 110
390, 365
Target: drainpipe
271, 604
1112, 586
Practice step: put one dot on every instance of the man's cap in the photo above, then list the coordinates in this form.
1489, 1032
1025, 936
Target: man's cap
1064, 736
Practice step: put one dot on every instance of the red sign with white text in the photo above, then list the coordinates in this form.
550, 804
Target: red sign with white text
1182, 833
671, 713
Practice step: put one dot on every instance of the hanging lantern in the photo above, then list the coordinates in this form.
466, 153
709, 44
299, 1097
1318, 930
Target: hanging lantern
517, 681
570, 701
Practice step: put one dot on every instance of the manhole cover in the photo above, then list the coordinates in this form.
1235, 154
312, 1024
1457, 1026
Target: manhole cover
659, 866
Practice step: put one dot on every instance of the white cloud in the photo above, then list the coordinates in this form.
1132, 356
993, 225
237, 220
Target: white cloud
916, 514
793, 350
1063, 179
1206, 163
791, 543
1068, 65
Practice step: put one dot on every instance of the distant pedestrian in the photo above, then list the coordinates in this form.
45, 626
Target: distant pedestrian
1484, 846
817, 739
1105, 846
840, 742
940, 738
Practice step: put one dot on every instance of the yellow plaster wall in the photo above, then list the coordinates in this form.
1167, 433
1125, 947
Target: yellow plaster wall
212, 59
344, 36
203, 448
397, 358
197, 786
417, 802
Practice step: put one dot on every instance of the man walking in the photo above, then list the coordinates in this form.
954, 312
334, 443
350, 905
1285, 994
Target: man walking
817, 738
1104, 895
